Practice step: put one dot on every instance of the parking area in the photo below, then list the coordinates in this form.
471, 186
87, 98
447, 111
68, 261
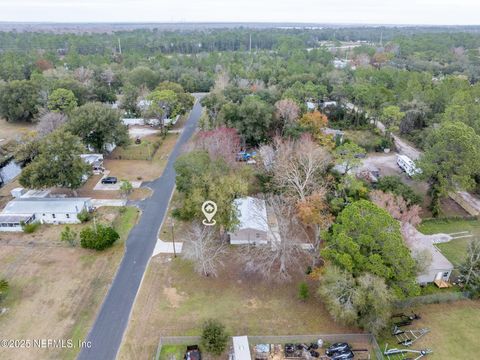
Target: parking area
113, 187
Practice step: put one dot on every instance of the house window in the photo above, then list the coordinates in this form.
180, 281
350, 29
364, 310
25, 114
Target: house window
257, 235
68, 216
53, 216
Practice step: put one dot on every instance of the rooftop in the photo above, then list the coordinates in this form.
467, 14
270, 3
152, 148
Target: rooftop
45, 205
252, 213
417, 241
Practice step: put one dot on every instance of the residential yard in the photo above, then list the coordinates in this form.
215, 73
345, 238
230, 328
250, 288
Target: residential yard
173, 300
56, 290
454, 250
454, 329
144, 169
13, 130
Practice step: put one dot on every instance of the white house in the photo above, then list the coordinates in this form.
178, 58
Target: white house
95, 161
44, 210
253, 227
439, 269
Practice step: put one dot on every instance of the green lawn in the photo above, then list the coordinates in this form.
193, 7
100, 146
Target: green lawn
454, 330
454, 250
143, 151
172, 352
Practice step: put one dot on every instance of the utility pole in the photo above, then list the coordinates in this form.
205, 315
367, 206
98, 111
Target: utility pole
250, 43
119, 47
173, 239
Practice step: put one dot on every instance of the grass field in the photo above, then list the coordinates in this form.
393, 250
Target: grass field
455, 250
454, 330
173, 300
56, 290
145, 170
13, 130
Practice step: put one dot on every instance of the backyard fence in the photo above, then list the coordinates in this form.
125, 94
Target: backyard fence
284, 339
433, 299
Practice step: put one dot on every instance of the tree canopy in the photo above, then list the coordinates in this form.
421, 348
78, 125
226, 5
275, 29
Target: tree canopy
451, 158
365, 238
57, 164
97, 125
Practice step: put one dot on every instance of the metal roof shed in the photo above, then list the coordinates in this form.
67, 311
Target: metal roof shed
241, 349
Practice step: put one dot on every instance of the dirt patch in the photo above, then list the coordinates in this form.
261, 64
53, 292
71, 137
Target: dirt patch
245, 305
140, 194
173, 297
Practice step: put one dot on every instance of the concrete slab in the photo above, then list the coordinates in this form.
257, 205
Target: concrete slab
108, 202
141, 132
162, 247
114, 187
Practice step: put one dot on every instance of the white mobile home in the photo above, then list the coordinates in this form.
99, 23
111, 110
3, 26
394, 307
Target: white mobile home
43, 210
253, 227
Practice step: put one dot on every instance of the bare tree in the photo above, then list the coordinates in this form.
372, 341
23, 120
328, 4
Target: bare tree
288, 250
314, 213
222, 142
287, 111
83, 75
108, 76
204, 248
397, 206
470, 269
298, 166
49, 122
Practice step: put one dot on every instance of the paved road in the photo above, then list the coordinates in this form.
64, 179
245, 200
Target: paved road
109, 327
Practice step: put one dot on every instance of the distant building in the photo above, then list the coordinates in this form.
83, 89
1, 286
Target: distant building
311, 106
326, 104
44, 210
340, 63
253, 227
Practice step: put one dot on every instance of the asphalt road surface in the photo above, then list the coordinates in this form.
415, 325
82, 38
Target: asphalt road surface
107, 331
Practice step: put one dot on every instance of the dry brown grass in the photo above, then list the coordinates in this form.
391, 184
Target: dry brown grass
173, 300
13, 130
55, 289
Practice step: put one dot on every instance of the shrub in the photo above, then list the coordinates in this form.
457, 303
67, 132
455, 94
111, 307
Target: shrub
214, 337
303, 291
4, 286
30, 228
69, 236
126, 188
84, 216
99, 237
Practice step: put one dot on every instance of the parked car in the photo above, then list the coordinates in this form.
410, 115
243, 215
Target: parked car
337, 348
193, 353
109, 180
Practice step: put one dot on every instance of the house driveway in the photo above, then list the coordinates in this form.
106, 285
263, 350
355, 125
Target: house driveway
113, 187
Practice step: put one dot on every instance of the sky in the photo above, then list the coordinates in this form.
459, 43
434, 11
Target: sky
425, 12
